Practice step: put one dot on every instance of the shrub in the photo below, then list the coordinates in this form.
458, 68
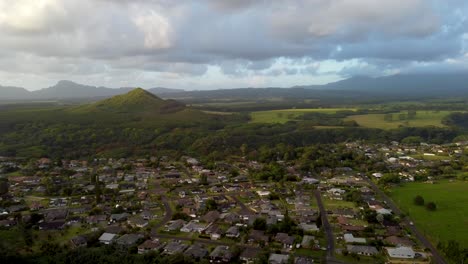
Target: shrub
419, 200
431, 206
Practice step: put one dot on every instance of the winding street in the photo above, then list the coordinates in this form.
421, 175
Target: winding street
406, 222
167, 215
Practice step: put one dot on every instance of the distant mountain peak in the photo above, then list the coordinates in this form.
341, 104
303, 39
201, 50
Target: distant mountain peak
140, 93
66, 82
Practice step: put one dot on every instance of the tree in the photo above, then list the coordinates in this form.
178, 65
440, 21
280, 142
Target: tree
180, 215
204, 179
419, 200
259, 224
243, 149
211, 205
431, 206
3, 186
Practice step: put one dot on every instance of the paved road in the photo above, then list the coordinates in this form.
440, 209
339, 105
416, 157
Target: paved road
167, 215
328, 229
406, 221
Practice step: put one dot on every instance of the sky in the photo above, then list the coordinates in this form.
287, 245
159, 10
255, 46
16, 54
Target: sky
217, 44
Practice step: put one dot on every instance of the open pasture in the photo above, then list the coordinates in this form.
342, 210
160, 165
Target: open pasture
285, 115
449, 221
401, 119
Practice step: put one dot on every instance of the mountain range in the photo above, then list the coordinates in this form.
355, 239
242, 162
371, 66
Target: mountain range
408, 86
70, 90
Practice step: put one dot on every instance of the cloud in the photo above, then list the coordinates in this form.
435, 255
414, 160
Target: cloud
267, 41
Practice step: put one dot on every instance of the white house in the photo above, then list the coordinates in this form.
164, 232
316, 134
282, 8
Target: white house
401, 252
193, 226
263, 193
336, 191
107, 238
384, 211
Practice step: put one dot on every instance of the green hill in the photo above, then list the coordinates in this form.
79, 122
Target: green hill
124, 125
137, 108
137, 101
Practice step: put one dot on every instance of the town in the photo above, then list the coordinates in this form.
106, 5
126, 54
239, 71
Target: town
236, 210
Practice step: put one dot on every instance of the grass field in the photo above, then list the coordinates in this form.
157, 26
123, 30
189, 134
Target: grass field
285, 115
449, 221
335, 204
433, 158
422, 119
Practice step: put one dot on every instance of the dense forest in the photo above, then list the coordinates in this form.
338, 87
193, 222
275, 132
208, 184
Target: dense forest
140, 124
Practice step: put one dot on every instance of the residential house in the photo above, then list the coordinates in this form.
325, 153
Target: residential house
196, 251
377, 175
114, 229
285, 239
271, 220
309, 227
346, 212
175, 225
401, 252
211, 216
118, 217
54, 225
149, 245
230, 218
147, 215
384, 211
128, 240
78, 241
249, 255
393, 230
233, 232
308, 241
278, 259
107, 238
352, 228
336, 191
303, 260
221, 254
138, 222
174, 247
257, 236
214, 232
362, 250
193, 226
56, 214
349, 238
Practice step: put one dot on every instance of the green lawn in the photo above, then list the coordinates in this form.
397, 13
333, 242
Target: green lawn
335, 204
285, 115
12, 238
449, 221
422, 119
433, 158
